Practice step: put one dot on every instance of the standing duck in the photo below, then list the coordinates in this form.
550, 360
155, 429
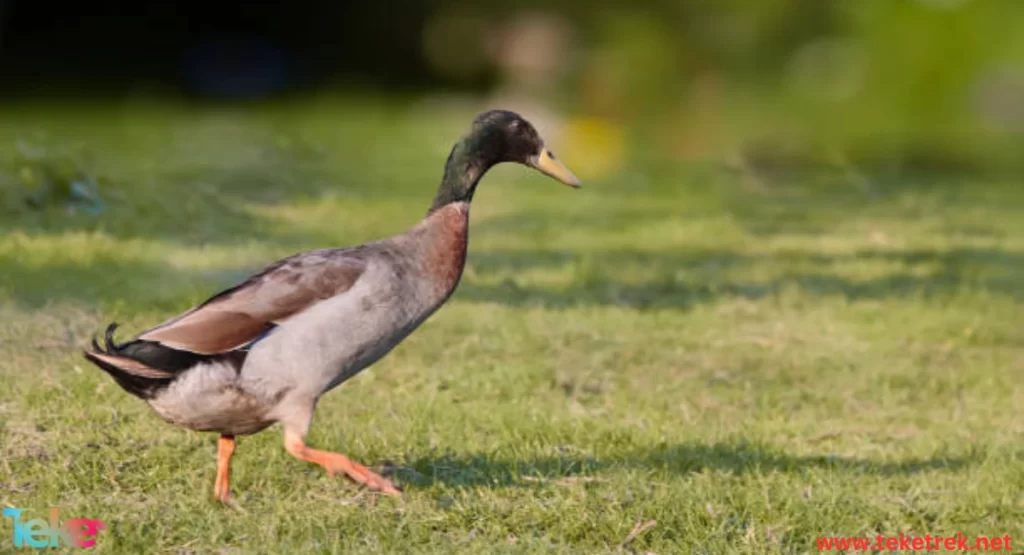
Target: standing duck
266, 350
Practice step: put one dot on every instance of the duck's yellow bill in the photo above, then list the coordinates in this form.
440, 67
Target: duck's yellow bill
547, 165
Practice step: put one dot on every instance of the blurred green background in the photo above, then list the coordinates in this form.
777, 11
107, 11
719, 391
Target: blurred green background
865, 88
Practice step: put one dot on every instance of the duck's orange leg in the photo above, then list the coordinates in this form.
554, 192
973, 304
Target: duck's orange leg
335, 463
222, 487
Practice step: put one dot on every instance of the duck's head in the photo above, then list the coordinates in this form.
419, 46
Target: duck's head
495, 137
501, 136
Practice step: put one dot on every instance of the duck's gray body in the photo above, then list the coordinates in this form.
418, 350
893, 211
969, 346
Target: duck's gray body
304, 326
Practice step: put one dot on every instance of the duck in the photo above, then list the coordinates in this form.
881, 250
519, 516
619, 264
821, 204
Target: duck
265, 350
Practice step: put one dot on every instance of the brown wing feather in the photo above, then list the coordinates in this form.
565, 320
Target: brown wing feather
241, 314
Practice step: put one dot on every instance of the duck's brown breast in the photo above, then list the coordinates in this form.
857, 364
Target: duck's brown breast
443, 257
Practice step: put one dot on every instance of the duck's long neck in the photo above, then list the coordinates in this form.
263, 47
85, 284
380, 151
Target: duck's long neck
444, 232
466, 165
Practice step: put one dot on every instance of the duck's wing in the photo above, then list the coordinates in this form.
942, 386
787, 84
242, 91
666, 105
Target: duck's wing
239, 315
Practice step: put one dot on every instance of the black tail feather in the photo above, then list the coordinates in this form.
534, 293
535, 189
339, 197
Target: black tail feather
141, 387
152, 354
108, 336
149, 353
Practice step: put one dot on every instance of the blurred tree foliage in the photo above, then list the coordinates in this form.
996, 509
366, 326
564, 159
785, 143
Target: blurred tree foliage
935, 84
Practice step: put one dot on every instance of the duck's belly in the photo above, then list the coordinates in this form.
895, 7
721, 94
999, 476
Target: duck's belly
207, 398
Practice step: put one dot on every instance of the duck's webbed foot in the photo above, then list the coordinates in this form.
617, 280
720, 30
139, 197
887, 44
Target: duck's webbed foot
336, 463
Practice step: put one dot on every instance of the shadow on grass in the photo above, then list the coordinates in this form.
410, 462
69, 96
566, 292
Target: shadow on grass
186, 213
468, 470
669, 280
203, 207
672, 280
114, 284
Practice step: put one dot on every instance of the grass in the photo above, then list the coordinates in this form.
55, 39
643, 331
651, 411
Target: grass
672, 359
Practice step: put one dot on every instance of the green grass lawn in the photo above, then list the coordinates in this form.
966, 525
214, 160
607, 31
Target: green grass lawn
732, 364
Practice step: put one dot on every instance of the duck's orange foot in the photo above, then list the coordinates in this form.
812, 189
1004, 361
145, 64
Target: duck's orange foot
222, 494
336, 463
361, 475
